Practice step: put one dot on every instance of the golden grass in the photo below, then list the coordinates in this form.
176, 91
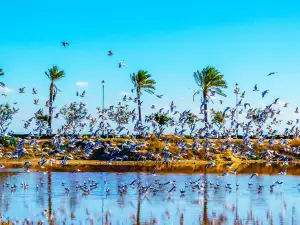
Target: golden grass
156, 145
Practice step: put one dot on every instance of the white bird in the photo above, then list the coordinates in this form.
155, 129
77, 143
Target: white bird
122, 64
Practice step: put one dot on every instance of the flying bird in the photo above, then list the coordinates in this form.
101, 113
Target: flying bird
264, 93
276, 101
272, 73
110, 53
22, 90
34, 91
254, 175
122, 64
83, 94
65, 43
246, 104
224, 113
243, 94
255, 88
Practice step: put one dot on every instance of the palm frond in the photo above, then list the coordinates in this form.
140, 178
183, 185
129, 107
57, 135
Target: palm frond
220, 92
210, 78
142, 81
197, 77
133, 79
55, 74
149, 91
1, 72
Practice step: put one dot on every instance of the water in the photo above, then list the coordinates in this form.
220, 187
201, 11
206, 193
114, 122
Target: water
245, 205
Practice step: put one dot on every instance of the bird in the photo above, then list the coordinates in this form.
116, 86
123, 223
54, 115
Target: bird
272, 73
82, 94
122, 64
243, 94
283, 172
224, 112
34, 91
253, 175
255, 88
22, 90
110, 53
235, 170
264, 93
276, 101
65, 43
211, 164
225, 174
246, 104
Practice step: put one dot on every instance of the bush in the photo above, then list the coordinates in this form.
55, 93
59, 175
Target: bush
161, 119
8, 141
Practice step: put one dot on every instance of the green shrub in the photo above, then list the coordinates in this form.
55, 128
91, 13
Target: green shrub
8, 142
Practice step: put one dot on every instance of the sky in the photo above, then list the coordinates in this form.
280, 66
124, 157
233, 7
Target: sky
170, 39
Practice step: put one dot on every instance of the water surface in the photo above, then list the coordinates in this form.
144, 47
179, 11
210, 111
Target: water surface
52, 204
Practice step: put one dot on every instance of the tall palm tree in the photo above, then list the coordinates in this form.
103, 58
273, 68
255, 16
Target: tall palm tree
209, 80
142, 82
1, 74
54, 74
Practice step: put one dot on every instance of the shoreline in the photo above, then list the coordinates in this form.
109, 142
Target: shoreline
183, 166
129, 163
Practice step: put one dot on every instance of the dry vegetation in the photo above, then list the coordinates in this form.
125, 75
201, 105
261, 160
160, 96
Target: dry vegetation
154, 145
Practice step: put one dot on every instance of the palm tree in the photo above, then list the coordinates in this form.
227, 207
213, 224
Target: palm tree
54, 74
142, 82
210, 80
1, 74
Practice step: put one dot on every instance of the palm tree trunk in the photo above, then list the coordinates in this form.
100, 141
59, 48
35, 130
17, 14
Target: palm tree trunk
139, 104
51, 101
205, 106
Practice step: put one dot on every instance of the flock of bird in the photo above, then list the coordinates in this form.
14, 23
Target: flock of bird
122, 121
147, 187
153, 186
110, 53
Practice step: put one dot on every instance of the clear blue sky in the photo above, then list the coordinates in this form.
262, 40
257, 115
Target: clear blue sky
245, 40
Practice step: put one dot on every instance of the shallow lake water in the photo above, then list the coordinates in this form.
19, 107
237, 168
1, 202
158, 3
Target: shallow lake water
52, 203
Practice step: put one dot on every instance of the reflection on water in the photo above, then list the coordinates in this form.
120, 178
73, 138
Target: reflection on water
177, 167
208, 199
